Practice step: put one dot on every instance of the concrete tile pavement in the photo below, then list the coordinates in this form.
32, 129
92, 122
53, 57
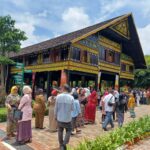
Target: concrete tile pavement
44, 140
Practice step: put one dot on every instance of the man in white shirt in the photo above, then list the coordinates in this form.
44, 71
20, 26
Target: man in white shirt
63, 110
109, 101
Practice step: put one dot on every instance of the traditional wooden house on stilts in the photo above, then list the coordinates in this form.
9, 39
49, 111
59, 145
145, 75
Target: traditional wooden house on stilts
106, 53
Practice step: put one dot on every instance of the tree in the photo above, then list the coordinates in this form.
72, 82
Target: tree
142, 76
10, 41
147, 58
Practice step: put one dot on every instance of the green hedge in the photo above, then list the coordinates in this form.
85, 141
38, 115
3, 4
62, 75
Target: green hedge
118, 137
3, 114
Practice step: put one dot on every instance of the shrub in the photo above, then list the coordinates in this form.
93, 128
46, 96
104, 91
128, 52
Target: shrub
3, 114
118, 137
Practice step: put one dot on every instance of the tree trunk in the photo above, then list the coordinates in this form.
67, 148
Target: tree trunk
3, 76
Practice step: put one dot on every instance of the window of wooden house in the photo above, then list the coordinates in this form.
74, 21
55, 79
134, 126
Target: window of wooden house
85, 56
46, 57
64, 54
32, 60
76, 52
110, 56
131, 69
102, 53
93, 59
55, 55
117, 58
123, 67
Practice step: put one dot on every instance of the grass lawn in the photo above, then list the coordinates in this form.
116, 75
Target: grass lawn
3, 110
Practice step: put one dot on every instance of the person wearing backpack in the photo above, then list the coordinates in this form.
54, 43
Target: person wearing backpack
121, 108
109, 108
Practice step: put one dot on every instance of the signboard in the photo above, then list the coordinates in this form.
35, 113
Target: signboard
18, 79
18, 82
28, 71
19, 64
20, 74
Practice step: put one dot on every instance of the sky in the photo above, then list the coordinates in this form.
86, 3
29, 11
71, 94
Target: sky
45, 19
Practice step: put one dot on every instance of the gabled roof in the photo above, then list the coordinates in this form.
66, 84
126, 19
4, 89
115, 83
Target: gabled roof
67, 38
132, 47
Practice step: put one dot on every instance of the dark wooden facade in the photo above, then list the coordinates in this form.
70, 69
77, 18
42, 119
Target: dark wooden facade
105, 51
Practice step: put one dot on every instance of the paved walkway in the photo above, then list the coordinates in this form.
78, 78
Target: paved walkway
44, 140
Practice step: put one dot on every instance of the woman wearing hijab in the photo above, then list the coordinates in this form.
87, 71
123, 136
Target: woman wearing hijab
24, 133
12, 103
83, 101
51, 105
90, 109
39, 109
131, 105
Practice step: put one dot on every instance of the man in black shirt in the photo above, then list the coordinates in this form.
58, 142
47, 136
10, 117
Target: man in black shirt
121, 108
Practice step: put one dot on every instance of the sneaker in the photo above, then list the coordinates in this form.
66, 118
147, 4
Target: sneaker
105, 129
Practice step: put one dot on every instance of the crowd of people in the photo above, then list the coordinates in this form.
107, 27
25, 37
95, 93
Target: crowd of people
69, 109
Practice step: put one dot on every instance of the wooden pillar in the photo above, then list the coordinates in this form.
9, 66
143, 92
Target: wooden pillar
99, 81
96, 83
117, 82
83, 81
65, 77
49, 81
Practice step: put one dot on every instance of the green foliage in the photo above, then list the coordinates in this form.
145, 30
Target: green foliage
6, 60
142, 76
118, 137
10, 37
10, 41
125, 57
3, 114
147, 59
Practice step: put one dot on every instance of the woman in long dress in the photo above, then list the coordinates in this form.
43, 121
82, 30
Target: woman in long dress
12, 103
24, 132
90, 109
83, 101
51, 105
39, 108
131, 106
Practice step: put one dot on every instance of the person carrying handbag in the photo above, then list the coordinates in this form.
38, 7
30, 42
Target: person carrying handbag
109, 108
24, 132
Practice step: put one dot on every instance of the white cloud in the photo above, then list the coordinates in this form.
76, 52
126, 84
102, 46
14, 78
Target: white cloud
74, 18
145, 38
29, 28
108, 7
44, 13
20, 3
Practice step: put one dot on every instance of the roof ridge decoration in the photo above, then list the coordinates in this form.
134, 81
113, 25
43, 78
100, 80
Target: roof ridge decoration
102, 27
122, 28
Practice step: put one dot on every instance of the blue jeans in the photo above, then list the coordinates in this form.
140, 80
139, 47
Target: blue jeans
108, 119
